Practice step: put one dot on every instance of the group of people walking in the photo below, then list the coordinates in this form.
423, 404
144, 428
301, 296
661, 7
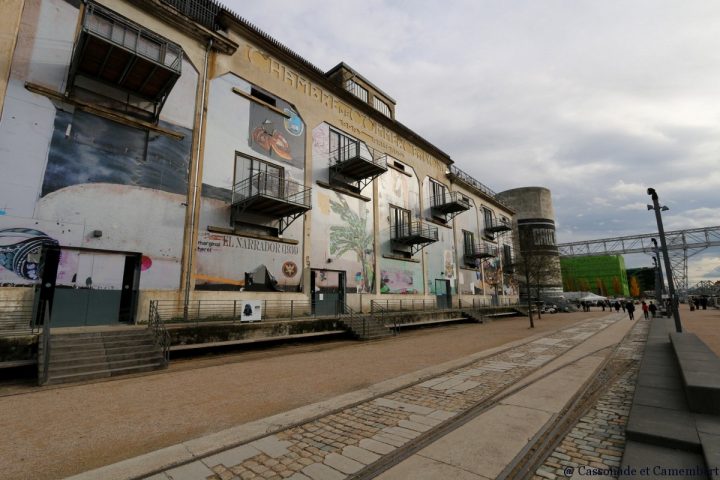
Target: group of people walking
629, 307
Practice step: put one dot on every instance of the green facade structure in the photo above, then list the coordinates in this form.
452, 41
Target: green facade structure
603, 275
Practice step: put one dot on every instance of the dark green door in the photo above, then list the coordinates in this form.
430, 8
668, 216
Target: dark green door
442, 293
95, 288
328, 292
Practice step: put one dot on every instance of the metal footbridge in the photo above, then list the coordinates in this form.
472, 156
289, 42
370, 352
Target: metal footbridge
681, 245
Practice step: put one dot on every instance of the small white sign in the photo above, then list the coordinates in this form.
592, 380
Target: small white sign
251, 311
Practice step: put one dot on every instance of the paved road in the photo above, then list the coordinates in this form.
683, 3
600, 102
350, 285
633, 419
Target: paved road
50, 433
353, 439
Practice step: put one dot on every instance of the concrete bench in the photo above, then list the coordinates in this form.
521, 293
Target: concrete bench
700, 372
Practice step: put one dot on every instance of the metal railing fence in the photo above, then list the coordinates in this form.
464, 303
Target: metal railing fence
273, 186
204, 12
160, 334
449, 197
400, 231
231, 311
402, 305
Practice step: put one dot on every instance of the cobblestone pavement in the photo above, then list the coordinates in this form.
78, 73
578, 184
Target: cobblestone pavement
343, 443
597, 442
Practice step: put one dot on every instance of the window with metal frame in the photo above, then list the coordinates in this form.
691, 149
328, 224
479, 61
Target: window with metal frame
381, 107
438, 193
468, 242
342, 147
356, 89
399, 222
265, 177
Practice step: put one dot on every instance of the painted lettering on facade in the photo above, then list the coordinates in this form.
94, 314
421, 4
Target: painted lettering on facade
353, 120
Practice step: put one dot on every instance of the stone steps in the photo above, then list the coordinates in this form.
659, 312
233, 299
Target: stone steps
371, 329
91, 355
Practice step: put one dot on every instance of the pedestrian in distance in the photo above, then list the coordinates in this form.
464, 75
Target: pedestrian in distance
617, 306
645, 309
630, 310
653, 309
624, 305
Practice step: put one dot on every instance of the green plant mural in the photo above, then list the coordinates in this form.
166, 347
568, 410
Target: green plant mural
354, 236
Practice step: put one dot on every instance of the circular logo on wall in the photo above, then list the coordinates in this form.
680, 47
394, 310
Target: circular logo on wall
289, 269
293, 124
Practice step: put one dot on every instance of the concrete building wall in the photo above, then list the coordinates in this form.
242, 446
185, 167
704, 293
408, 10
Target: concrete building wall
87, 180
535, 218
9, 26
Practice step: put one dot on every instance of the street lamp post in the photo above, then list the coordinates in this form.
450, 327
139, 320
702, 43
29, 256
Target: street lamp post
658, 290
657, 258
668, 270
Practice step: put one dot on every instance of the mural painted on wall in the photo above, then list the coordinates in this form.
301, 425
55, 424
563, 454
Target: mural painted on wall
237, 124
510, 285
20, 250
226, 262
400, 277
471, 282
348, 246
492, 281
244, 138
90, 149
440, 260
280, 137
354, 236
22, 240
401, 191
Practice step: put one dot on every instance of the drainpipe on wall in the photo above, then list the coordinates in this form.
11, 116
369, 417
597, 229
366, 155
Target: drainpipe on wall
193, 208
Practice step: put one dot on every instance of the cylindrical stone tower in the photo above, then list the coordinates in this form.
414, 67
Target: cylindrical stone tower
534, 223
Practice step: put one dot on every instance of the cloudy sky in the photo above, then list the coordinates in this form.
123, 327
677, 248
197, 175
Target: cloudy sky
595, 100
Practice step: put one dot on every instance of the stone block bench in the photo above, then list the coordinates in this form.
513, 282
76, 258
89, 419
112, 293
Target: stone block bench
700, 372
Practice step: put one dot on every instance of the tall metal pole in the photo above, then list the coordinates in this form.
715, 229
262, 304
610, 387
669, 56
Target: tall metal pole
656, 249
668, 269
658, 290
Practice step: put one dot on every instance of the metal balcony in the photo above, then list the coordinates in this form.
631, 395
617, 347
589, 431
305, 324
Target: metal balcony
449, 204
457, 175
415, 235
497, 226
116, 51
271, 196
478, 250
356, 165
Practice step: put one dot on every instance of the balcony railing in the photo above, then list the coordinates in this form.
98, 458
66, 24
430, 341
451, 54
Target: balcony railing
114, 50
412, 236
272, 196
203, 12
449, 203
498, 226
356, 164
479, 250
468, 180
413, 232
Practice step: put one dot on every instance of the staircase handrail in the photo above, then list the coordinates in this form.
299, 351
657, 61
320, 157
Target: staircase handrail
353, 317
160, 334
376, 308
43, 374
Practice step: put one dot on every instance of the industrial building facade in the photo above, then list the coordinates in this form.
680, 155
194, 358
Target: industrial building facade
171, 150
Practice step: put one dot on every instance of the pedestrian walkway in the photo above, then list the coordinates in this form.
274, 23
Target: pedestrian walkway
353, 440
596, 443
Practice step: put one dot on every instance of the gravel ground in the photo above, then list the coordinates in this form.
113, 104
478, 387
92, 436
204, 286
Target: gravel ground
54, 432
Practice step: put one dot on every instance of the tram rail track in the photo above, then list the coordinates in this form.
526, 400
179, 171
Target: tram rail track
525, 463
